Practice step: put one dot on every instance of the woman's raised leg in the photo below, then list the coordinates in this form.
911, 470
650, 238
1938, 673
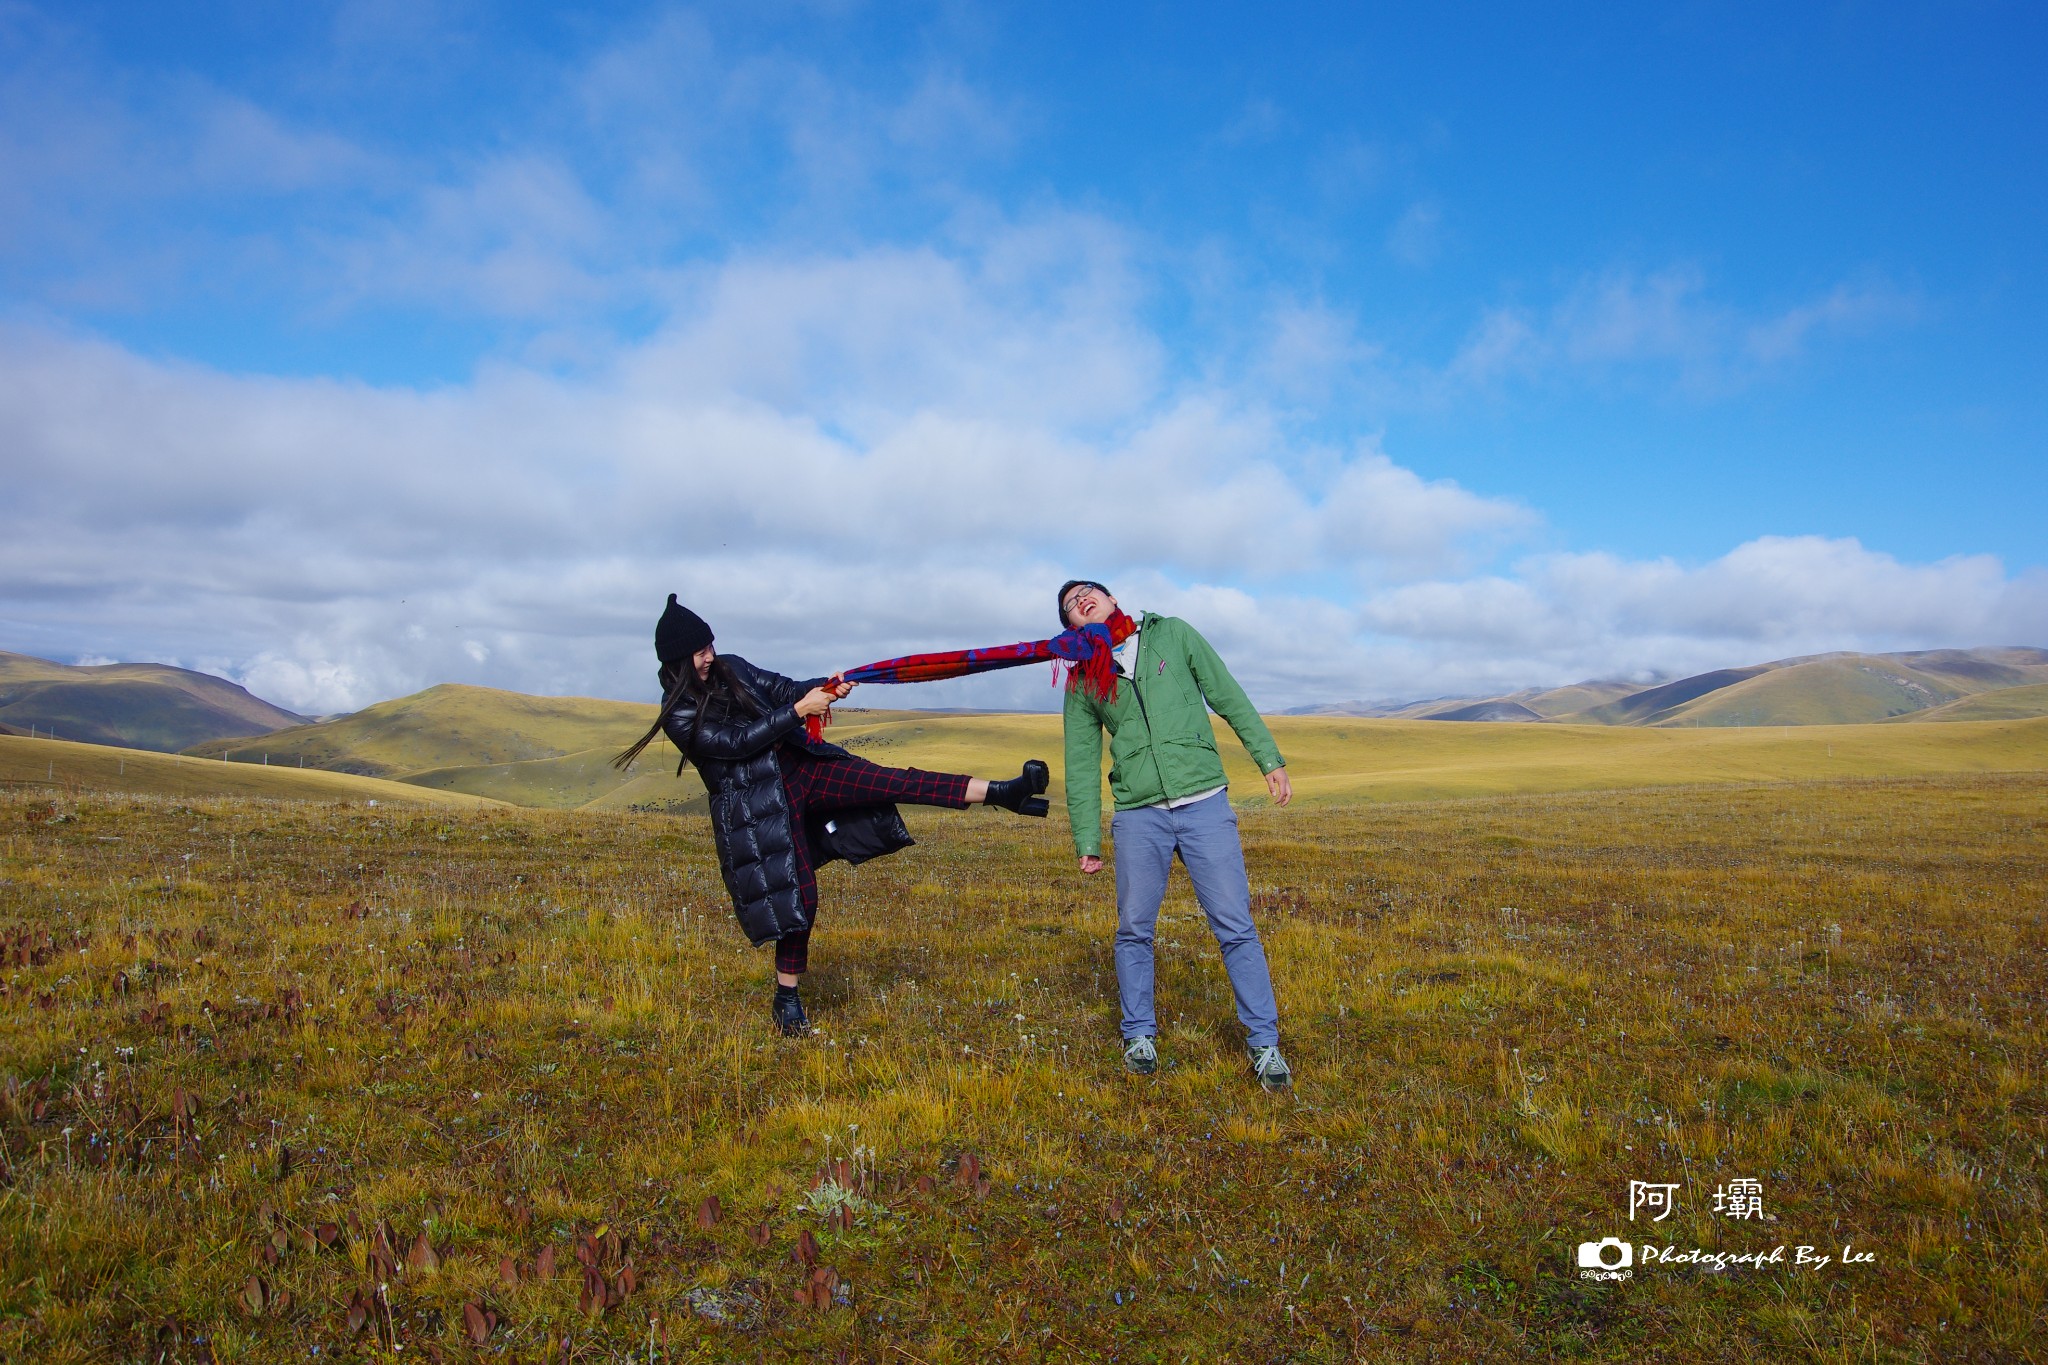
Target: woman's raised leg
836, 783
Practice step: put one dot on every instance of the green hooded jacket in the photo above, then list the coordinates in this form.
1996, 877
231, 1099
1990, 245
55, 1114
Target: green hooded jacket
1161, 746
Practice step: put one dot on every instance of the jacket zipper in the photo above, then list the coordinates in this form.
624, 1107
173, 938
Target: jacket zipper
1151, 744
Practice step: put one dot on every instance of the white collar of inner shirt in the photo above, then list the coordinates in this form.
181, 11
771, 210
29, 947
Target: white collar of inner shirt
1126, 654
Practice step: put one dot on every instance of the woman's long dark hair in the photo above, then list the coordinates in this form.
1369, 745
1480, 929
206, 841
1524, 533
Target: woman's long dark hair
681, 686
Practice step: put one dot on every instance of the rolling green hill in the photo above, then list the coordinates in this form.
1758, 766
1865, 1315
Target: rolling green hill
1827, 689
1845, 690
1553, 702
2006, 703
137, 706
531, 751
1977, 670
446, 727
1653, 704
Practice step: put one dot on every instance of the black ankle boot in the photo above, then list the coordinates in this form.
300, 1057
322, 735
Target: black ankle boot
789, 1013
1021, 793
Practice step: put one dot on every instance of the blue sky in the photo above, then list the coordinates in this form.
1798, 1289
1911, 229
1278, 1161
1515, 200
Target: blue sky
359, 347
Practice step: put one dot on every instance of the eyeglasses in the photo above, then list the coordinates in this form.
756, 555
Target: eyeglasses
1079, 595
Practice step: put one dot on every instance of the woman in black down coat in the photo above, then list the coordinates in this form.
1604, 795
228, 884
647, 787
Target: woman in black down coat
783, 804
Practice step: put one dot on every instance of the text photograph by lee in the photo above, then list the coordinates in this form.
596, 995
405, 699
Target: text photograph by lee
968, 682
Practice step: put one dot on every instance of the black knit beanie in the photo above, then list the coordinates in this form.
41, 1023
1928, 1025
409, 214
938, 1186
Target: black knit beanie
680, 633
1060, 602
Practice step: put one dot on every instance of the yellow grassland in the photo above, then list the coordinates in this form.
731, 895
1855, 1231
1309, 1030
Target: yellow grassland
59, 765
239, 1037
1342, 760
584, 779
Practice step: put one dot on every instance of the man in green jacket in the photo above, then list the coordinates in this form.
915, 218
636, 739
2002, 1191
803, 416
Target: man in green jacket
1171, 797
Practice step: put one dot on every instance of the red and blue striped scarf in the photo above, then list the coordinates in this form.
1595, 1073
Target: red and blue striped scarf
1087, 653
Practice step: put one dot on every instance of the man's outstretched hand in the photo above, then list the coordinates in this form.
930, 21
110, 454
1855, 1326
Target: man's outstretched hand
1090, 864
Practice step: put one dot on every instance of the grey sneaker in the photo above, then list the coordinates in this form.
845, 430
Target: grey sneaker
1271, 1068
1141, 1056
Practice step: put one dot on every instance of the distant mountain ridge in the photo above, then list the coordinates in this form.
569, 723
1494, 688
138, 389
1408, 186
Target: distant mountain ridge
2000, 682
134, 706
556, 751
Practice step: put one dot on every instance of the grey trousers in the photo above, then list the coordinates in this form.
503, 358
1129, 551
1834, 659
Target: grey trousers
1205, 836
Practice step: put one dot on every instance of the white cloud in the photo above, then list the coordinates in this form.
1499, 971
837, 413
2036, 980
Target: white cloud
712, 129
313, 684
1664, 322
1349, 167
1035, 325
517, 238
1258, 122
1504, 341
1312, 351
1845, 308
129, 185
1416, 237
121, 188
841, 458
1565, 617
240, 146
944, 112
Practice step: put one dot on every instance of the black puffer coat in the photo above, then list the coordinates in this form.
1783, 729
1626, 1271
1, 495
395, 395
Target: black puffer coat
750, 814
